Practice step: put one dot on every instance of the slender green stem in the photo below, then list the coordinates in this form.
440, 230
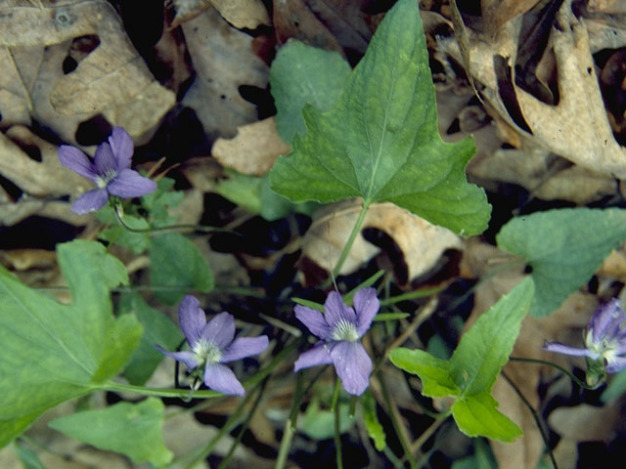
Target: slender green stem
183, 228
292, 421
244, 427
336, 408
285, 444
346, 249
580, 383
184, 393
231, 423
396, 423
536, 418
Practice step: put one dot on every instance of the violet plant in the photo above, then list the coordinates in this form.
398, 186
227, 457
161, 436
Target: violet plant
212, 344
340, 330
109, 170
376, 138
605, 343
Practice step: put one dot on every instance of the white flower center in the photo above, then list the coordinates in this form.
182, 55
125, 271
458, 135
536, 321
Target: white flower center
605, 348
345, 330
109, 175
207, 352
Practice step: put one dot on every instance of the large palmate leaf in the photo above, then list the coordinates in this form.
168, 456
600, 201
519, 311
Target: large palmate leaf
471, 372
54, 352
564, 248
380, 142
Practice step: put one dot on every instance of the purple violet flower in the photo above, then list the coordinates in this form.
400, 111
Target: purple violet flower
110, 170
605, 343
213, 343
340, 329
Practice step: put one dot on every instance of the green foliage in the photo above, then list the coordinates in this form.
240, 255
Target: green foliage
563, 247
157, 204
255, 195
301, 75
54, 352
475, 364
131, 429
319, 424
374, 429
380, 141
177, 265
158, 329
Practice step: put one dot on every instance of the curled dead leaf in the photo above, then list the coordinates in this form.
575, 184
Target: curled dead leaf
580, 110
254, 149
63, 91
414, 244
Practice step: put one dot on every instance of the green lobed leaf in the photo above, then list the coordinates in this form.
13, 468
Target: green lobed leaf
563, 247
485, 348
255, 195
302, 74
131, 429
477, 415
474, 366
434, 373
116, 234
54, 352
176, 265
158, 329
381, 142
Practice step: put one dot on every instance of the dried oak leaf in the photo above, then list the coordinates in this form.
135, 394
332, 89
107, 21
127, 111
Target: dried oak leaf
32, 164
254, 149
497, 12
580, 111
544, 175
241, 14
108, 79
414, 245
224, 61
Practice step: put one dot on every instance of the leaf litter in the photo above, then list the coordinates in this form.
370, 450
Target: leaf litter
75, 69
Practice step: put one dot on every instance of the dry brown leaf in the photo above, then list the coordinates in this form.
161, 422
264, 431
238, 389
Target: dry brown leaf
111, 80
580, 111
254, 149
420, 243
224, 60
40, 178
294, 19
497, 12
544, 175
587, 423
241, 14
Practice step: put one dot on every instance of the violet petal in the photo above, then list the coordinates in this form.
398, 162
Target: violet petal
222, 379
314, 321
191, 319
335, 310
318, 355
77, 161
353, 366
104, 159
188, 358
606, 320
122, 146
220, 330
616, 365
366, 305
567, 350
129, 183
90, 201
244, 347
